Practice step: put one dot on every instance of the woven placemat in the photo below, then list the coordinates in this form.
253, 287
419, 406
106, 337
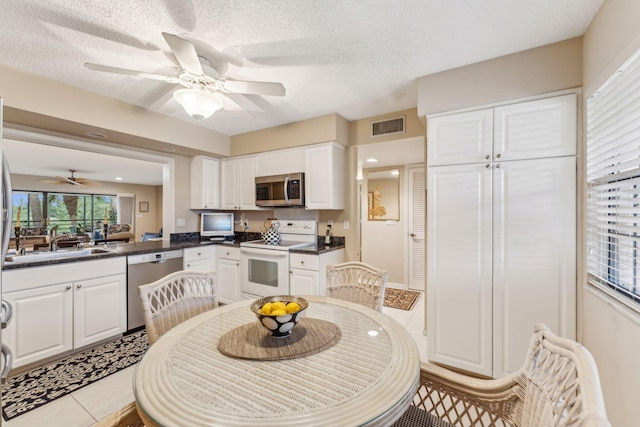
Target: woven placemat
253, 341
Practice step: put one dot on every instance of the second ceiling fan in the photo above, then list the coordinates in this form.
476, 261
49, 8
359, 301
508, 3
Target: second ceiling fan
72, 180
202, 93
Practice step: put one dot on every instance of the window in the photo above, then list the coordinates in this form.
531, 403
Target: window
613, 184
72, 213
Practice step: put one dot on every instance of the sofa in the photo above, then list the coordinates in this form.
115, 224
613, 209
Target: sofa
120, 232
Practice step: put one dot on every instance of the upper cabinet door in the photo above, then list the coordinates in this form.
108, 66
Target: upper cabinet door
536, 129
460, 138
205, 183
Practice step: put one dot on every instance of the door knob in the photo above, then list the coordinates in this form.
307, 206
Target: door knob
412, 234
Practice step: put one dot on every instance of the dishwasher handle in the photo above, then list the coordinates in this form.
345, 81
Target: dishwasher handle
160, 261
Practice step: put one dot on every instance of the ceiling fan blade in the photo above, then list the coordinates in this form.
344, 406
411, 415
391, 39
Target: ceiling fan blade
51, 181
185, 53
134, 73
68, 181
253, 88
87, 182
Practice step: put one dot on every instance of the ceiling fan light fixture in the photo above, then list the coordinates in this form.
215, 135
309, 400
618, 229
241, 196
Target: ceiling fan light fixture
199, 104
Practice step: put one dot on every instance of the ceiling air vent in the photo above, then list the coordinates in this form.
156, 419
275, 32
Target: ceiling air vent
388, 126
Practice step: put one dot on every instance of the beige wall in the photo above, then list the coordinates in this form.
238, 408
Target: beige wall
610, 331
148, 193
360, 130
383, 242
182, 197
331, 127
531, 72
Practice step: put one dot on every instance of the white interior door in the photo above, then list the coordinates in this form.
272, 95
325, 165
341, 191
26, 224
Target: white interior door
416, 225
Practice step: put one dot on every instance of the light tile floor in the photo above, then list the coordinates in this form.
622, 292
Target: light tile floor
90, 404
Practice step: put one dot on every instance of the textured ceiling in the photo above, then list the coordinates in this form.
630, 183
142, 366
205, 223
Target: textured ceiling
358, 58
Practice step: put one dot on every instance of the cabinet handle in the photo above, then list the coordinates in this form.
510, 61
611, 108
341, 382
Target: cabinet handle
188, 265
487, 166
78, 286
8, 314
68, 287
498, 156
8, 362
302, 262
498, 166
487, 157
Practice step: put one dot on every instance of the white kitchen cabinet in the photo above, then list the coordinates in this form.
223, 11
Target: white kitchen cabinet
42, 324
63, 307
504, 133
308, 273
99, 308
228, 274
501, 247
200, 258
238, 185
325, 176
205, 183
279, 162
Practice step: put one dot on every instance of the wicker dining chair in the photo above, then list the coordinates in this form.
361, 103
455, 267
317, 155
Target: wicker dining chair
176, 298
557, 386
357, 282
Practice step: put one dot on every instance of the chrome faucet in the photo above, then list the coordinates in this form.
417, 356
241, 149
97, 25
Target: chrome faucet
53, 239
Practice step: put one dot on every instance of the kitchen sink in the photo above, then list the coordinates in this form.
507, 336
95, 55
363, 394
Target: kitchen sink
59, 254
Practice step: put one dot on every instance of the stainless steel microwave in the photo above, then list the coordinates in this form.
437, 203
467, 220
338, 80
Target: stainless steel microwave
280, 190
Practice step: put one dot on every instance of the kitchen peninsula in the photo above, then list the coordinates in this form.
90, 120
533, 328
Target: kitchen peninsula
65, 304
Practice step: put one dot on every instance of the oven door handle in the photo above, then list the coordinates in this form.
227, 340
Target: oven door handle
265, 252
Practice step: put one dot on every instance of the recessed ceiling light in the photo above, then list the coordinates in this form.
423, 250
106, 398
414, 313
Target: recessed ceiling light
371, 160
169, 150
96, 135
118, 178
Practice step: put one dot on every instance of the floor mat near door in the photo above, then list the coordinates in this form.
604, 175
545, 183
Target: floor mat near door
34, 388
400, 298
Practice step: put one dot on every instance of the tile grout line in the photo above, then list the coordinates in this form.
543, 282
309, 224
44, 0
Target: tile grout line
85, 409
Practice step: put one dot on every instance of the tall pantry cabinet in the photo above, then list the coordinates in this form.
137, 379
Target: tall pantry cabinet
501, 231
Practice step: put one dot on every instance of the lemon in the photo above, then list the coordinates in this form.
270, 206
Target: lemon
278, 312
278, 305
267, 308
292, 307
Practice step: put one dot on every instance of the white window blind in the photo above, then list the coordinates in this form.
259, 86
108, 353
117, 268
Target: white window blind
613, 180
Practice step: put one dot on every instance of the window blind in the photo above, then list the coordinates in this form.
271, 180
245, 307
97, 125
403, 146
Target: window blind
613, 183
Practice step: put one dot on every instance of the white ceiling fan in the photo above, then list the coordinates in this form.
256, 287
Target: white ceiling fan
202, 93
72, 180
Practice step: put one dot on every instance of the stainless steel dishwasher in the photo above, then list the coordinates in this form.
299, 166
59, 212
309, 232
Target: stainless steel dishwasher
143, 269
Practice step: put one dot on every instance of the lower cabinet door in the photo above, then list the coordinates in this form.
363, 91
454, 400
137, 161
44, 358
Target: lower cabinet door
304, 282
228, 278
100, 309
44, 317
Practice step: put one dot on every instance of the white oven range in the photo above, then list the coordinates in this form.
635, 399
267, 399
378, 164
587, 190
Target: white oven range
265, 268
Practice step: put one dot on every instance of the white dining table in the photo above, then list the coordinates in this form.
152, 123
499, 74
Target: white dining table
368, 377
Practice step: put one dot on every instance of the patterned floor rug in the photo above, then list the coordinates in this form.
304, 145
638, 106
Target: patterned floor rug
34, 388
400, 298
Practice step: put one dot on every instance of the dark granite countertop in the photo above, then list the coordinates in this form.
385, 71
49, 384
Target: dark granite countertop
188, 240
